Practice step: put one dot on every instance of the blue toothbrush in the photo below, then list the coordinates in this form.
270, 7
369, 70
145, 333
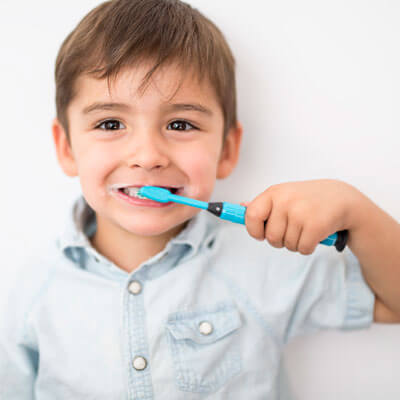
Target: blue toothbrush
228, 211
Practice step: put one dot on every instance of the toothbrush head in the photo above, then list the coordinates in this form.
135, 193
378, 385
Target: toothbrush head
155, 193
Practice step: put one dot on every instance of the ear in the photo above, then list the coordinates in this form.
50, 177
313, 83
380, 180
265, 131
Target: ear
230, 151
63, 149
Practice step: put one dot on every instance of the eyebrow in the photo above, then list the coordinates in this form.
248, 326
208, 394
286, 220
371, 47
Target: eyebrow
125, 107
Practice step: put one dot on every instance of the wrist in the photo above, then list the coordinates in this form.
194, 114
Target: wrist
359, 211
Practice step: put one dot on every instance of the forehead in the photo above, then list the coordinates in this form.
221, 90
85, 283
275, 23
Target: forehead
168, 83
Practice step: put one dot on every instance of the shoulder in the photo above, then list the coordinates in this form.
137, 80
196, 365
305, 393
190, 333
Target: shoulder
38, 267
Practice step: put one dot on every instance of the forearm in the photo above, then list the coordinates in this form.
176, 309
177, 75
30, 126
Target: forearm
375, 241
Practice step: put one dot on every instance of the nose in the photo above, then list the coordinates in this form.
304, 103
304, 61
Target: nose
147, 150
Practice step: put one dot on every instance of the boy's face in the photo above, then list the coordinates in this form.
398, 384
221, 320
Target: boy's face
146, 142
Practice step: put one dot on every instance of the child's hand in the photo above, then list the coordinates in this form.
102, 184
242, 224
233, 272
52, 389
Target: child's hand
301, 214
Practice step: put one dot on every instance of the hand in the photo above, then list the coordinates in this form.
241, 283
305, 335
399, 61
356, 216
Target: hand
299, 215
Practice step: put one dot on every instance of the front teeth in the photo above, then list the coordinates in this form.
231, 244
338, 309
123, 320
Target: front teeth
133, 192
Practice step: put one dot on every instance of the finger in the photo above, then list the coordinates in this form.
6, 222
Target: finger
256, 213
307, 242
292, 236
276, 227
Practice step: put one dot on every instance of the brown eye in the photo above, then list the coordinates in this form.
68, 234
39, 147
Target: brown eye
179, 125
109, 125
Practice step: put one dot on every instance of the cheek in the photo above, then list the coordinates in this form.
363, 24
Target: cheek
95, 163
200, 167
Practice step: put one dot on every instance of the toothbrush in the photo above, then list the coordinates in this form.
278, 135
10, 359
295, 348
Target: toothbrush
227, 211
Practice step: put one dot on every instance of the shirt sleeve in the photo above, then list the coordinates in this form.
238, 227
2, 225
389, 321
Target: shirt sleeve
18, 353
330, 293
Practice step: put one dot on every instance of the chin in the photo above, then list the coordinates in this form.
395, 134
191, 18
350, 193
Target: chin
151, 228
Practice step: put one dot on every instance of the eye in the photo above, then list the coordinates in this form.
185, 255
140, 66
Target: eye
109, 125
179, 124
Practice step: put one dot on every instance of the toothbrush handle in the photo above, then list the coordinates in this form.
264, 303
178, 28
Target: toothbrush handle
236, 213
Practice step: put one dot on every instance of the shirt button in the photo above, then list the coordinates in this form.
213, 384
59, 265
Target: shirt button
205, 328
135, 287
139, 363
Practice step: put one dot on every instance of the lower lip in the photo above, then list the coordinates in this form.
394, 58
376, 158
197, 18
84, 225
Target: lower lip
135, 201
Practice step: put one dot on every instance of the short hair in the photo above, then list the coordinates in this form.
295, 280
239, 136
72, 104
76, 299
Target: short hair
123, 33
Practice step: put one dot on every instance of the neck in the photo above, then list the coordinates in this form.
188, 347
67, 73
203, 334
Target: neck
129, 251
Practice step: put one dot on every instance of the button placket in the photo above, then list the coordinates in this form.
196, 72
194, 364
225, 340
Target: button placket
140, 383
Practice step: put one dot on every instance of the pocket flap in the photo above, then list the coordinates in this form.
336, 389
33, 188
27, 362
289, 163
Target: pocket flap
223, 317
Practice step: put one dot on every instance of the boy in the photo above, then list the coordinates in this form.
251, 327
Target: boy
142, 300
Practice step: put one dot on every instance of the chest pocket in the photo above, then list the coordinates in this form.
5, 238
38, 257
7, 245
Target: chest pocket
204, 346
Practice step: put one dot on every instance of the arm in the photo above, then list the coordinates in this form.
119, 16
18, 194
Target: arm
18, 366
301, 214
18, 355
375, 241
383, 313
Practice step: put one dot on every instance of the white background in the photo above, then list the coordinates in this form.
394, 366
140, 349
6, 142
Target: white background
318, 96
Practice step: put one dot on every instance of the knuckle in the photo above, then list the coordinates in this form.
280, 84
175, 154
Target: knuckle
274, 239
306, 250
250, 230
273, 188
252, 214
297, 213
253, 233
258, 237
290, 245
271, 237
287, 200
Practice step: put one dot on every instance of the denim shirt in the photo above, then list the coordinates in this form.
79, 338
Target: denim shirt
207, 317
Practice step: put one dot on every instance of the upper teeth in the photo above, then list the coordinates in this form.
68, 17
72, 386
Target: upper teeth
133, 191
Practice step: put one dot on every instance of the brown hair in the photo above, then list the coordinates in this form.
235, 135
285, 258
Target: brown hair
122, 33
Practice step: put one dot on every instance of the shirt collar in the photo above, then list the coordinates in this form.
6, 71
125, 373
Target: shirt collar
81, 225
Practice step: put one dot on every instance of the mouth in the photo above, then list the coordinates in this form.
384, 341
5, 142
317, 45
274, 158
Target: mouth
133, 191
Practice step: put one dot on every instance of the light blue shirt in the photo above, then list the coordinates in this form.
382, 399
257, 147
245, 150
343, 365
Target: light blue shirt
207, 317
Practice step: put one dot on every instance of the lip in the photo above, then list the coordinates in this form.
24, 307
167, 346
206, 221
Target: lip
117, 186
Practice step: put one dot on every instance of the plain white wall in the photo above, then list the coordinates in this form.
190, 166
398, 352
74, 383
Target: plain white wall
318, 95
